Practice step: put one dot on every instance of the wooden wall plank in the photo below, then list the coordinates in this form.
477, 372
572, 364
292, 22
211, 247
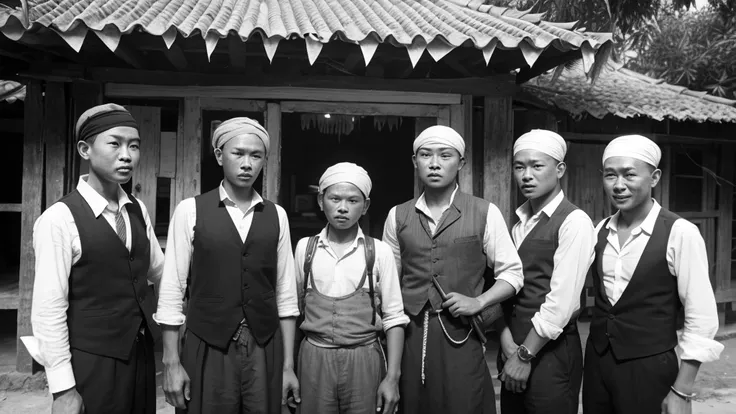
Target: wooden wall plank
498, 117
188, 151
368, 109
724, 241
280, 93
55, 140
272, 170
662, 190
459, 121
420, 124
585, 184
145, 176
224, 104
31, 197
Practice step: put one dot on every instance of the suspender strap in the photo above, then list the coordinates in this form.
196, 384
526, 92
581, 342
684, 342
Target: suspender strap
311, 249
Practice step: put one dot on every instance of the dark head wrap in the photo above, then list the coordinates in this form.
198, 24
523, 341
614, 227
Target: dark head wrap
102, 118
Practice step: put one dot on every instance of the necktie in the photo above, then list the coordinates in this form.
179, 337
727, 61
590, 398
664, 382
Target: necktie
120, 226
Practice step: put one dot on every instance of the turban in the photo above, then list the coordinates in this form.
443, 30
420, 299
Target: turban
544, 141
346, 172
101, 118
443, 135
634, 146
239, 126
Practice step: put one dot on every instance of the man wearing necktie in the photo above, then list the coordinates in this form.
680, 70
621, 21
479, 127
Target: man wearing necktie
95, 253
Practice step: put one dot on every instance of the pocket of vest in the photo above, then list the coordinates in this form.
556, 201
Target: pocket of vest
468, 239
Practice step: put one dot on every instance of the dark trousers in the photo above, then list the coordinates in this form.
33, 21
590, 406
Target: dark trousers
244, 378
113, 386
457, 379
554, 383
634, 386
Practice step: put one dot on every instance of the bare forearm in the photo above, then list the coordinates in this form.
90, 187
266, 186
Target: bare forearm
288, 329
685, 381
170, 337
395, 342
499, 292
534, 342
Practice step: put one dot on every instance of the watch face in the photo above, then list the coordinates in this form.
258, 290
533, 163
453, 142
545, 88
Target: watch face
524, 353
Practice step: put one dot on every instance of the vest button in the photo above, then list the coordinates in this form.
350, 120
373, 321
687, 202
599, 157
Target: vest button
246, 254
132, 258
135, 280
608, 335
611, 316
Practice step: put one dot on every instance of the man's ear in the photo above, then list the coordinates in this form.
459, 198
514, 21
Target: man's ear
321, 201
462, 163
366, 205
414, 161
83, 148
656, 176
561, 169
218, 156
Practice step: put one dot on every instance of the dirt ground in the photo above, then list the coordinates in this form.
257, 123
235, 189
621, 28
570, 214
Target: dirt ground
716, 387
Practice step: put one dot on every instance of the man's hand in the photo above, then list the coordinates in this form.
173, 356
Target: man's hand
508, 346
176, 385
67, 402
388, 396
515, 374
461, 305
673, 404
290, 383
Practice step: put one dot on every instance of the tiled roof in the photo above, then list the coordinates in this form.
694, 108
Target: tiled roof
11, 91
437, 26
626, 94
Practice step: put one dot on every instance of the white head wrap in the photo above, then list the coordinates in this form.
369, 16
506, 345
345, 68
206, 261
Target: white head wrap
239, 126
346, 172
544, 141
634, 146
439, 134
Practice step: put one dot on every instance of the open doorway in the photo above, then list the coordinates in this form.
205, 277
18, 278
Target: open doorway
312, 142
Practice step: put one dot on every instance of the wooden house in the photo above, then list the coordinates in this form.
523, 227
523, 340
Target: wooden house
696, 131
331, 80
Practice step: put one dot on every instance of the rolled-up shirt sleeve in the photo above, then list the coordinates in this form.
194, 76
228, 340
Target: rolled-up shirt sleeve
286, 293
49, 345
501, 254
390, 237
156, 267
392, 303
177, 259
687, 259
572, 259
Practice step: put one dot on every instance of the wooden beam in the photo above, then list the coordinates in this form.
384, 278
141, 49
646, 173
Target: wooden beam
11, 208
279, 93
660, 139
726, 296
724, 237
237, 51
498, 117
224, 104
145, 177
55, 140
176, 57
32, 194
188, 150
130, 56
368, 109
272, 171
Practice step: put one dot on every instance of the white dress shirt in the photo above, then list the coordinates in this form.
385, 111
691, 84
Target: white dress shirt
336, 277
572, 259
179, 257
687, 260
57, 248
498, 247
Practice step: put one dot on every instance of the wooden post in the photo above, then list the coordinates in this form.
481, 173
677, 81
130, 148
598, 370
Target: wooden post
725, 217
85, 95
32, 195
461, 119
145, 177
498, 142
55, 139
188, 151
272, 171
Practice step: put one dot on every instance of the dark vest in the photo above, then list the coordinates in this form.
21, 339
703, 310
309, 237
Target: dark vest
230, 279
644, 320
454, 254
537, 253
108, 290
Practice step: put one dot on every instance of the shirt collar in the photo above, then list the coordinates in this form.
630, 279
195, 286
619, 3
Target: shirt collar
647, 226
96, 201
323, 241
421, 203
257, 199
525, 210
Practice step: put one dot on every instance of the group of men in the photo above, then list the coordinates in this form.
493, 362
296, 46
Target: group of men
391, 325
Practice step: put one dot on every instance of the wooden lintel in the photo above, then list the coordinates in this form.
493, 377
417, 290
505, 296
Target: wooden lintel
237, 51
14, 208
280, 93
32, 194
130, 55
224, 104
367, 109
176, 57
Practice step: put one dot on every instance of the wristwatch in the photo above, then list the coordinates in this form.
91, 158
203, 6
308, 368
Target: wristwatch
687, 397
524, 354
